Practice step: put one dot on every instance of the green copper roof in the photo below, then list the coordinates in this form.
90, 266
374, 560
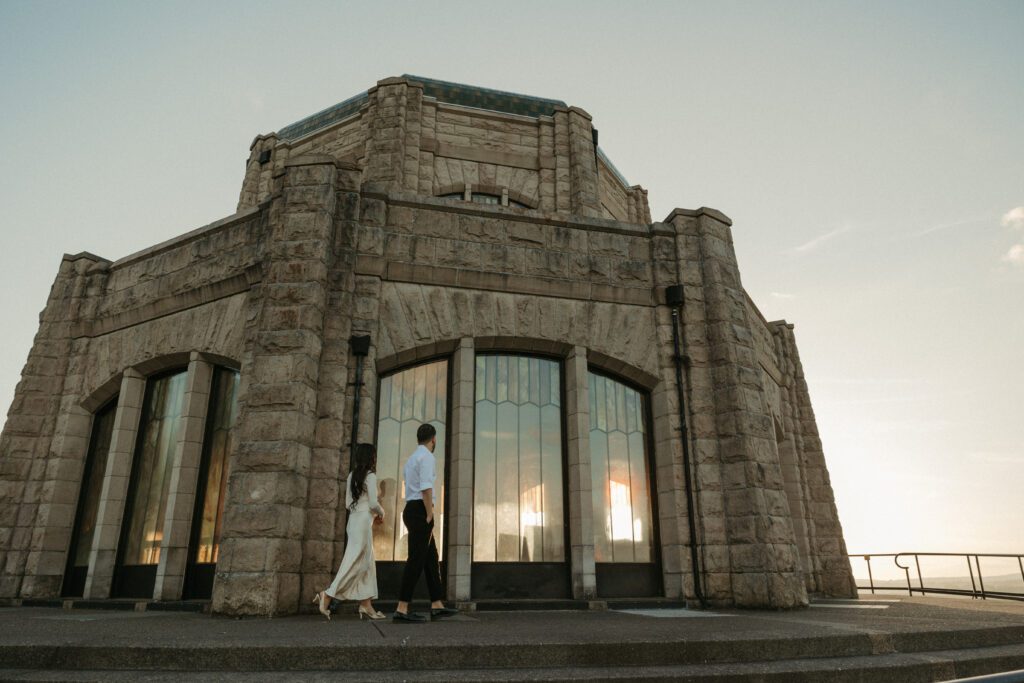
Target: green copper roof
486, 98
442, 91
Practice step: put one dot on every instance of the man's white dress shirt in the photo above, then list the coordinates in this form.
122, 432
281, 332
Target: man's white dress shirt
419, 473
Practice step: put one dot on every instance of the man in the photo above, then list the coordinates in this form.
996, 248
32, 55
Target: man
419, 520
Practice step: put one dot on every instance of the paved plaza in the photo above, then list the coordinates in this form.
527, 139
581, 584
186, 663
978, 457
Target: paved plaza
919, 639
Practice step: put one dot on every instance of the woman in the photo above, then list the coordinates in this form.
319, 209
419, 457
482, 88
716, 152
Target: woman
357, 576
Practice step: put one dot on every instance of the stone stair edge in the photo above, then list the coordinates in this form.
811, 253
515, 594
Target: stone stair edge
464, 656
891, 667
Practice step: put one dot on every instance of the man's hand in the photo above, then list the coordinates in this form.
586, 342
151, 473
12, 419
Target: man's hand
428, 503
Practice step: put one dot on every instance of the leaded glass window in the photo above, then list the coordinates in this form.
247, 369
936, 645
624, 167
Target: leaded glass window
151, 476
518, 506
89, 499
217, 446
483, 198
618, 467
408, 399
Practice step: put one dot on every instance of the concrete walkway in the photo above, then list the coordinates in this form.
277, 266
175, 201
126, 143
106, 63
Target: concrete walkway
912, 639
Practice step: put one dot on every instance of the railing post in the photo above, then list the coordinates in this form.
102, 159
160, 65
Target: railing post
871, 578
920, 581
981, 580
974, 586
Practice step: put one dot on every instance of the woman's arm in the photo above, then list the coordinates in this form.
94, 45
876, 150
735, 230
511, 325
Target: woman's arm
371, 494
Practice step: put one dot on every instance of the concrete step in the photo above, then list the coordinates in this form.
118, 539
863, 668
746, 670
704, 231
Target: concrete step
927, 667
458, 654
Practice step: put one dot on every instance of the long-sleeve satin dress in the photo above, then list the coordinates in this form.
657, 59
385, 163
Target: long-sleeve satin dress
357, 576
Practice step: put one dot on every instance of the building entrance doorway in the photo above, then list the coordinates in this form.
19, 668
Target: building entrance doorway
519, 521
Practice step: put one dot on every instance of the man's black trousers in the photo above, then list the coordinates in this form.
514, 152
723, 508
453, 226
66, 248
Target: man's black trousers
422, 553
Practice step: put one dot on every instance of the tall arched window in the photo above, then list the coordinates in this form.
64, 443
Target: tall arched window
624, 546
143, 527
89, 500
211, 490
518, 484
408, 399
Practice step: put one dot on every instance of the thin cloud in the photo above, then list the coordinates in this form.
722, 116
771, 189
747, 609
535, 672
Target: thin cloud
783, 295
1014, 218
1015, 255
821, 239
955, 224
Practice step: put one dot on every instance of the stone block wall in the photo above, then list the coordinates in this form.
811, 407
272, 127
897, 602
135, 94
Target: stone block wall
404, 141
141, 314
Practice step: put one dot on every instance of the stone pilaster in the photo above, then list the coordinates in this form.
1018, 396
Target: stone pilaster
181, 496
266, 159
258, 571
762, 554
460, 494
827, 567
393, 120
667, 458
639, 209
103, 555
581, 498
563, 161
585, 198
428, 134
44, 428
326, 516
546, 187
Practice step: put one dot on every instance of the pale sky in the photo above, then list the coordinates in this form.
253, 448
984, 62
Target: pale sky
871, 156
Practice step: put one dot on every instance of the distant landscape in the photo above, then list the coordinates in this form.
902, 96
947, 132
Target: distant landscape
1005, 583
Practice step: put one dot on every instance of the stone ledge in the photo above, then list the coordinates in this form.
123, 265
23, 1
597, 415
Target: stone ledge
191, 236
702, 211
419, 274
170, 304
512, 214
89, 256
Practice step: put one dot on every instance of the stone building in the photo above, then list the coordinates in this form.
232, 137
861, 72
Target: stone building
423, 251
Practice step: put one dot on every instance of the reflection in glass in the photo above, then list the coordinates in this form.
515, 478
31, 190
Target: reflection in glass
622, 505
217, 446
517, 511
154, 457
92, 482
408, 399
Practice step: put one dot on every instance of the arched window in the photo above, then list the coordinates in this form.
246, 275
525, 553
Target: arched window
624, 547
408, 398
89, 500
211, 489
484, 198
489, 198
518, 514
618, 467
142, 530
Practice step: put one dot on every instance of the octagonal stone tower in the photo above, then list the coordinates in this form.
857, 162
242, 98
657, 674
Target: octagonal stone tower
422, 252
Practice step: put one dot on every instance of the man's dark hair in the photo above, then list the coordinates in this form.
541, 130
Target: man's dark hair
425, 433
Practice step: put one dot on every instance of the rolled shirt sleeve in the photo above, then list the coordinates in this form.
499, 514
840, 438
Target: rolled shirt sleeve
426, 474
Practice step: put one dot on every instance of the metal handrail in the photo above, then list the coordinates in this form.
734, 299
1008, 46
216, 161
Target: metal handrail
977, 587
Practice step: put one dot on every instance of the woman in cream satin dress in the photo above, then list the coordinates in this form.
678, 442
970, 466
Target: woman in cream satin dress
357, 576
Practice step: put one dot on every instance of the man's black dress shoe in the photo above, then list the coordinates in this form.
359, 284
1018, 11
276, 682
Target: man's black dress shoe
443, 612
410, 617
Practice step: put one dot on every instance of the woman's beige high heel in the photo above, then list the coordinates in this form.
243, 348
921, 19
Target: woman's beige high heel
323, 602
370, 614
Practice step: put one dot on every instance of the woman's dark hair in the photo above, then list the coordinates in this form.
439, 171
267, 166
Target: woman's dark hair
364, 459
